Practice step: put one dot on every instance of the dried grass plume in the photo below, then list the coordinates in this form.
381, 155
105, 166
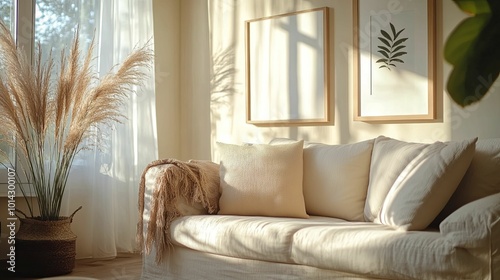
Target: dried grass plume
51, 116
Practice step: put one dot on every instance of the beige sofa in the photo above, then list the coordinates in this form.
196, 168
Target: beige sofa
377, 209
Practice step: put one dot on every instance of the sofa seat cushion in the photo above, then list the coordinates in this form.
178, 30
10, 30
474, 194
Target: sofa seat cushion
249, 237
361, 248
375, 250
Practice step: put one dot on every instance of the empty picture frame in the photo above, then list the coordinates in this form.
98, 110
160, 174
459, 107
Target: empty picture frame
287, 68
394, 60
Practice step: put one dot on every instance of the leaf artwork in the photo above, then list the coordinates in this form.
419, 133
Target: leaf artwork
391, 47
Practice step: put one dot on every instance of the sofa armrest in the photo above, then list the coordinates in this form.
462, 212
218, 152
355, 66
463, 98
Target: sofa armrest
151, 186
185, 207
475, 227
170, 189
474, 221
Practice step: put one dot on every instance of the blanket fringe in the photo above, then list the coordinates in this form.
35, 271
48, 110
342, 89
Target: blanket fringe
193, 181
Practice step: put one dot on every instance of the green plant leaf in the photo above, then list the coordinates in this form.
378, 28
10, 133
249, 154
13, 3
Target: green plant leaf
463, 37
397, 34
386, 35
385, 54
383, 40
399, 42
398, 48
384, 48
398, 54
473, 7
393, 29
391, 47
472, 49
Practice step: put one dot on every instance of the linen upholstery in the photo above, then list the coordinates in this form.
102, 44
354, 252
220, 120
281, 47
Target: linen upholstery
465, 246
179, 266
251, 237
481, 179
377, 250
364, 248
262, 179
426, 184
475, 227
389, 159
335, 178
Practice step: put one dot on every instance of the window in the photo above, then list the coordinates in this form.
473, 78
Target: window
7, 12
8, 16
53, 24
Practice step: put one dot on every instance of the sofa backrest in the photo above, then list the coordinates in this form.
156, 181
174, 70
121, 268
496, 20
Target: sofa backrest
334, 182
481, 179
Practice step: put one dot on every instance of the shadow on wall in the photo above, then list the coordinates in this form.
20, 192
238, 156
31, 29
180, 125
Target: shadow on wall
222, 85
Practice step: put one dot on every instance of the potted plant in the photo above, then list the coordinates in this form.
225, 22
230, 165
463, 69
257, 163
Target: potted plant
472, 49
47, 119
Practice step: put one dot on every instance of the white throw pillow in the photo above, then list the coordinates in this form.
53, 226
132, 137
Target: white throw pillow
426, 184
481, 179
336, 179
389, 158
262, 180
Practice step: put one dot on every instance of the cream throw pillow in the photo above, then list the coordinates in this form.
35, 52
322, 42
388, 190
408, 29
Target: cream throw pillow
426, 184
336, 179
262, 180
389, 158
481, 179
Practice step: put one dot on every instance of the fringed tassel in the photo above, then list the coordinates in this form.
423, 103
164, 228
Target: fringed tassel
193, 181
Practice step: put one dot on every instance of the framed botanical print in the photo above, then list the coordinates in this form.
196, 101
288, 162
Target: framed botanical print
394, 43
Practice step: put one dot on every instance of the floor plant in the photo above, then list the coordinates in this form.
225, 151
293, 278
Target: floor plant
48, 117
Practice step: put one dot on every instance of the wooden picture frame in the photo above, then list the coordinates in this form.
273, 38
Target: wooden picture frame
394, 60
288, 68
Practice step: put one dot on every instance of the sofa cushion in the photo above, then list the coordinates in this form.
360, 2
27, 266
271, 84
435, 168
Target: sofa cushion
376, 251
481, 179
262, 180
249, 237
336, 179
426, 184
389, 158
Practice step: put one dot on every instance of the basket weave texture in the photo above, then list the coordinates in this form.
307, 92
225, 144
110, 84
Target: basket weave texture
45, 248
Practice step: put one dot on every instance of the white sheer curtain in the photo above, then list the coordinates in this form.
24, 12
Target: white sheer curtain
105, 182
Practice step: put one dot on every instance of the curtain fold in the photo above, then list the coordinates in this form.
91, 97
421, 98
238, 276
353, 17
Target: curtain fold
105, 181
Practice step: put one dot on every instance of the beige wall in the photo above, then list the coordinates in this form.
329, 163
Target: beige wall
226, 119
167, 76
195, 80
182, 69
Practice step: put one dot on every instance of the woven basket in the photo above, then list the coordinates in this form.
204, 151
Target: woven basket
45, 248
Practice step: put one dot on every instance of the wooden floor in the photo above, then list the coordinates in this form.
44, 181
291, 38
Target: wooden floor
124, 267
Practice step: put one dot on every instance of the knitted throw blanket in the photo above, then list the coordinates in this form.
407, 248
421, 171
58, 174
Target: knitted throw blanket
193, 182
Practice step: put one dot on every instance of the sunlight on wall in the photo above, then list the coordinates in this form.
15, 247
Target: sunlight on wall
227, 86
286, 67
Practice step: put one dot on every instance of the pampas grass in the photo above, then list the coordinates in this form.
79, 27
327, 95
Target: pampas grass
53, 117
